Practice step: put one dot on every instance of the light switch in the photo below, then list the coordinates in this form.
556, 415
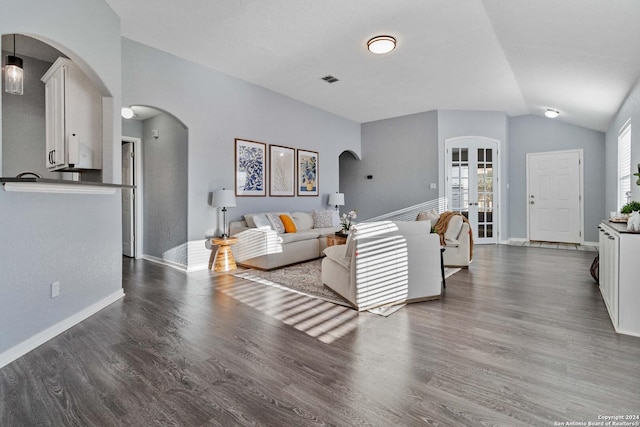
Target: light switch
433, 186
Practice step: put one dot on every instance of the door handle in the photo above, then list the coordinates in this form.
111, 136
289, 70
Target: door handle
532, 202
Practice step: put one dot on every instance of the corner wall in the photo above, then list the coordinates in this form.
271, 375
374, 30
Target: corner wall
533, 134
402, 156
74, 239
630, 109
217, 108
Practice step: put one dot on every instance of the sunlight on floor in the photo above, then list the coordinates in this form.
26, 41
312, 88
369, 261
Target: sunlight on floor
322, 320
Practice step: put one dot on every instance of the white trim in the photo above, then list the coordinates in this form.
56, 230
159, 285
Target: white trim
51, 332
47, 187
138, 193
596, 244
166, 262
580, 152
517, 239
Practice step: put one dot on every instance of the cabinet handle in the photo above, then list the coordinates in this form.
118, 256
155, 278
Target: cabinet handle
611, 237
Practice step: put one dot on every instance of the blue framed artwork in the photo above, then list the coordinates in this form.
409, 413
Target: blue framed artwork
307, 173
251, 168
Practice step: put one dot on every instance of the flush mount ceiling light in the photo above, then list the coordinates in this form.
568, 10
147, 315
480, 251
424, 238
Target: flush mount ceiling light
552, 114
13, 73
126, 112
381, 44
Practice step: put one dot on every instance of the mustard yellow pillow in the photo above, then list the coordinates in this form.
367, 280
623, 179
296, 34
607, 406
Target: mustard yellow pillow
289, 225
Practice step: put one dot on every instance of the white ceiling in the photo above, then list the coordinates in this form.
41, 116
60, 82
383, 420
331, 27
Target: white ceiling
580, 57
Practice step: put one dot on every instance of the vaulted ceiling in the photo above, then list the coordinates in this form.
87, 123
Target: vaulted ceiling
580, 57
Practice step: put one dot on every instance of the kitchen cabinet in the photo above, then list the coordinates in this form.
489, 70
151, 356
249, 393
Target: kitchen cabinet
619, 276
73, 118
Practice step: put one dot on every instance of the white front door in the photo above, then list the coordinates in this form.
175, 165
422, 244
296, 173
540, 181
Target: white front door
472, 188
128, 211
554, 198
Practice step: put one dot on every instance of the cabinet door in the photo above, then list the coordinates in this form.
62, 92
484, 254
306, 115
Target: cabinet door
54, 118
614, 255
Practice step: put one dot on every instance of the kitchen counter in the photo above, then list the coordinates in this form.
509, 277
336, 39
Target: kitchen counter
46, 185
620, 227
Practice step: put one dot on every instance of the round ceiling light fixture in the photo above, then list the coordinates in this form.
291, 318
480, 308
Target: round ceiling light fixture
126, 112
381, 44
552, 114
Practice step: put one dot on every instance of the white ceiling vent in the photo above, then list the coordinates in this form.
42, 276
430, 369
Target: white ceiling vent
330, 79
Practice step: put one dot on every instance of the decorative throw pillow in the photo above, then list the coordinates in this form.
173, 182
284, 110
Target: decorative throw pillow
431, 214
453, 229
289, 225
276, 222
422, 216
323, 219
261, 221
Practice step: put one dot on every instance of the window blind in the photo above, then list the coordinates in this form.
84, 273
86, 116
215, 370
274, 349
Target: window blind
624, 164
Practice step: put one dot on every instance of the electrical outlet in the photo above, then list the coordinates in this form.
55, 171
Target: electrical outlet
55, 289
433, 186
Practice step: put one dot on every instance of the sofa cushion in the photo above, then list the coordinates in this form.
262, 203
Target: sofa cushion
453, 228
261, 221
326, 231
431, 215
303, 220
325, 219
299, 236
289, 225
276, 222
337, 253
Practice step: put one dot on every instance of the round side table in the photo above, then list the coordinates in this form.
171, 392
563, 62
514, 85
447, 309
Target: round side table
223, 260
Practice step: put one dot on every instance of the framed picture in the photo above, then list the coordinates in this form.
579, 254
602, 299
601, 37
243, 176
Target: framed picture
282, 172
251, 168
307, 173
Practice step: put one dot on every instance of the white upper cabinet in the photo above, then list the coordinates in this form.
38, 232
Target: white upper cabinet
73, 118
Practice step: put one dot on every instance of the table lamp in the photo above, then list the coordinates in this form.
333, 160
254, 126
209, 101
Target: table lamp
336, 199
224, 199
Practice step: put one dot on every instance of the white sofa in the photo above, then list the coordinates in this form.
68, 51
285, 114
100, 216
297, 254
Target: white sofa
455, 236
263, 247
458, 250
385, 263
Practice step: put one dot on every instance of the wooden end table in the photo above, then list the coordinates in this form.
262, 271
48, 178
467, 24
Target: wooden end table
223, 259
335, 239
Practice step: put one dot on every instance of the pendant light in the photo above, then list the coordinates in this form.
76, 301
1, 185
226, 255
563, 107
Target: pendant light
13, 73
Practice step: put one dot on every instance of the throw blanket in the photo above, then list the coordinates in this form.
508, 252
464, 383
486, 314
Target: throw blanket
443, 223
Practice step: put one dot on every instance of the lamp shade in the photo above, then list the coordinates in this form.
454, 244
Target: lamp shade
224, 199
336, 199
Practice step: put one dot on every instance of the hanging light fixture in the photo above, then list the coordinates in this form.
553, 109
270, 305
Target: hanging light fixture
381, 44
13, 73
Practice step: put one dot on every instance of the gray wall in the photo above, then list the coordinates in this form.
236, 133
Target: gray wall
165, 189
402, 155
533, 134
132, 128
217, 108
71, 238
630, 109
23, 118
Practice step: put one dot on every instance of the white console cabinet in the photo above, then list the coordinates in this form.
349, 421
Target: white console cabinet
73, 118
620, 276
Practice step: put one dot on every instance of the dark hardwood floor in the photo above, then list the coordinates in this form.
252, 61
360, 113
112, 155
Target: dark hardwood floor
521, 338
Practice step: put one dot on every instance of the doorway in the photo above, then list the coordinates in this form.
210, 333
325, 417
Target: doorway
472, 173
132, 197
554, 196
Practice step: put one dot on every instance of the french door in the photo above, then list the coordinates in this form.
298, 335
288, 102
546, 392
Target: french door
472, 188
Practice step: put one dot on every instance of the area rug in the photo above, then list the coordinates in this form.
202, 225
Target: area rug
305, 278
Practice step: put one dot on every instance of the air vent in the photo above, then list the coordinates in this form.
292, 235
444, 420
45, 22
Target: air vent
329, 79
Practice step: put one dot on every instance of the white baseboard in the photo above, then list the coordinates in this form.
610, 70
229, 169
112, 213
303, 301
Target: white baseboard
198, 267
40, 338
596, 244
517, 239
168, 263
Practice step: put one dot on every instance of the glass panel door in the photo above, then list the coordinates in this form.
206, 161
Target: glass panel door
471, 173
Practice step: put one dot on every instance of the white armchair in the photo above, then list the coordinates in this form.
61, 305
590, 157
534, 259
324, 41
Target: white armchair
385, 263
457, 251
